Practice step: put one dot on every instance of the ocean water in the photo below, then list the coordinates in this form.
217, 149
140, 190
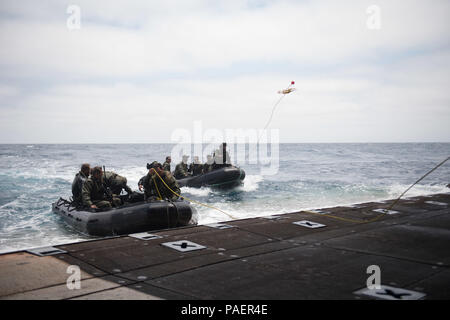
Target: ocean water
309, 176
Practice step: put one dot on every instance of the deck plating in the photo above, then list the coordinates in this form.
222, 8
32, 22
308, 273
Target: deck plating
256, 258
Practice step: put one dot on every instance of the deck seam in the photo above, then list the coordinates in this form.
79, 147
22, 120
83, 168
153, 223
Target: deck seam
62, 283
385, 255
222, 261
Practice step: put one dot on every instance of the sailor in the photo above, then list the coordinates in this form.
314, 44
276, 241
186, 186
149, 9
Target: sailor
141, 183
221, 157
141, 180
208, 165
196, 167
166, 164
155, 188
78, 181
116, 183
94, 193
181, 170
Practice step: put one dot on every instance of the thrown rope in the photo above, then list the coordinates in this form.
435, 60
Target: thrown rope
316, 213
273, 111
385, 210
426, 174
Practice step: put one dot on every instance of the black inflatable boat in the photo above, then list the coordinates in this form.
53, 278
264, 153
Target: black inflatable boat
220, 178
129, 218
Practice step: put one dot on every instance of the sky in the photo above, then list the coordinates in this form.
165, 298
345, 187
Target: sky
141, 71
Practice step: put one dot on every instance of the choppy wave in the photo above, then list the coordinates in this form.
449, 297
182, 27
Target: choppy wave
251, 183
310, 176
202, 192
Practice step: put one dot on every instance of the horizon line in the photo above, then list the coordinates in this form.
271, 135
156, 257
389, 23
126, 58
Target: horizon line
193, 143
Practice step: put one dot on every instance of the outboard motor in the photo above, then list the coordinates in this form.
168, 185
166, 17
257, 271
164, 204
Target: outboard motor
224, 153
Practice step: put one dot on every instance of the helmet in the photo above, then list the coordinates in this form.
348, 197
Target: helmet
154, 164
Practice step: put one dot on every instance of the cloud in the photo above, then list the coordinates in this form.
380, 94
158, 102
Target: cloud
7, 91
191, 37
136, 72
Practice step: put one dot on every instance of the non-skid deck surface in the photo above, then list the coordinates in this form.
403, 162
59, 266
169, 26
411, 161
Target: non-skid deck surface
259, 258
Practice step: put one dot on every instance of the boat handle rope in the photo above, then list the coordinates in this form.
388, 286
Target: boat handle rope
154, 182
194, 201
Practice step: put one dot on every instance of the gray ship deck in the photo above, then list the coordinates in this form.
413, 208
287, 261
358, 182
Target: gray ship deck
258, 258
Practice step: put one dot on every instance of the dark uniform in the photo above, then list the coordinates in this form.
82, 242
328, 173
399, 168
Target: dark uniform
207, 167
141, 182
181, 171
166, 166
196, 168
154, 187
116, 182
77, 187
95, 193
218, 159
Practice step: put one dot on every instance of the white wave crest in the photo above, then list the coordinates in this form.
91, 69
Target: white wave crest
203, 191
418, 190
251, 183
